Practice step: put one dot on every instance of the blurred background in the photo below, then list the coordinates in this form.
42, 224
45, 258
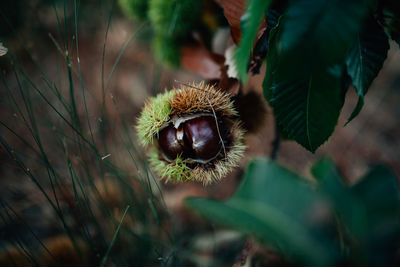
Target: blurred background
75, 187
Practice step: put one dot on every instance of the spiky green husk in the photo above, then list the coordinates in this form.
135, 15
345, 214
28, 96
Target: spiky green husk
201, 97
176, 171
155, 113
136, 9
196, 98
172, 21
167, 50
175, 18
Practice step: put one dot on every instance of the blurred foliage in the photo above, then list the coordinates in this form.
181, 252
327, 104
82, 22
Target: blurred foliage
174, 17
173, 22
316, 224
15, 17
250, 23
388, 14
136, 9
317, 49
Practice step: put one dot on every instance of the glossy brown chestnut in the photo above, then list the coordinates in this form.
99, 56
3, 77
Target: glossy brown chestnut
196, 138
202, 136
168, 143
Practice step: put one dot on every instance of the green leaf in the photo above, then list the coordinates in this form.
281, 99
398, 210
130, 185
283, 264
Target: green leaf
134, 8
304, 80
350, 209
379, 190
275, 206
306, 107
370, 210
390, 19
366, 59
320, 31
380, 193
250, 23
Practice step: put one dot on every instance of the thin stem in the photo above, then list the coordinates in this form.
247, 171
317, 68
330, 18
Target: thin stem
275, 143
244, 253
104, 260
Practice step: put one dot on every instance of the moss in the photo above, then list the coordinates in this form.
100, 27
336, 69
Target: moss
135, 8
155, 113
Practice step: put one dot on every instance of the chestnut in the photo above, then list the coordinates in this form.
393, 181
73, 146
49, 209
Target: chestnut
194, 133
169, 144
203, 137
197, 138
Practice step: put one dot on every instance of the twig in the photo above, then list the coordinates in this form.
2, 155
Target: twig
275, 143
244, 253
